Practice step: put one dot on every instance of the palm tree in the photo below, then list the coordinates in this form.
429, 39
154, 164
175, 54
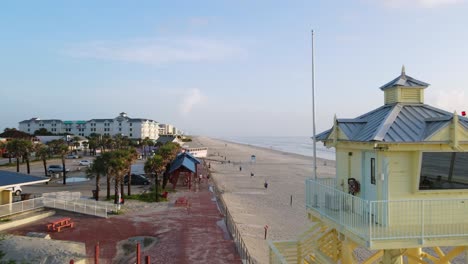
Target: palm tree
97, 169
43, 152
17, 148
106, 157
105, 143
85, 147
60, 147
155, 165
146, 142
27, 148
168, 152
118, 166
132, 156
75, 142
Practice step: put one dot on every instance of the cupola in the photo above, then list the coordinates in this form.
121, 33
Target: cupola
404, 89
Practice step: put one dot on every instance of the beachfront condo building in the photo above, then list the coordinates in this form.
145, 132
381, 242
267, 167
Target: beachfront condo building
136, 128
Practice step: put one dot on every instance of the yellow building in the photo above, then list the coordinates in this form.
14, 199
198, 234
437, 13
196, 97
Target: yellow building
401, 186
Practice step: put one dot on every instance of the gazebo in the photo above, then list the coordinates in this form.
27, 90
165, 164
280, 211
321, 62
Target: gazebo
186, 165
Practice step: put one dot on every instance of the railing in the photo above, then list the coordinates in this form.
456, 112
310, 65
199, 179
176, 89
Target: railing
84, 206
347, 210
233, 230
279, 252
386, 220
19, 207
65, 195
295, 251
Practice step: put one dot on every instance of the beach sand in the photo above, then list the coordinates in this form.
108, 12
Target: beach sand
251, 205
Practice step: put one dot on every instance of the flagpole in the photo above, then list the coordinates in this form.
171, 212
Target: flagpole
313, 109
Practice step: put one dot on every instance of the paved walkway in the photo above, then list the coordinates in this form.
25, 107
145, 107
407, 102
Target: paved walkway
174, 234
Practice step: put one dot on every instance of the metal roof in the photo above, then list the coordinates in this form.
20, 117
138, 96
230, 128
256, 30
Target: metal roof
395, 123
184, 160
404, 81
10, 179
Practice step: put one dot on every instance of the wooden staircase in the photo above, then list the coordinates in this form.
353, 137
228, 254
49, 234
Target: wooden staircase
319, 244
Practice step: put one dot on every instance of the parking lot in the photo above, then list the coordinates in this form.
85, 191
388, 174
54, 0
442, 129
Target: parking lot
77, 180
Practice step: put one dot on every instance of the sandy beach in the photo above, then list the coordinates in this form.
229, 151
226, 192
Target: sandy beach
251, 205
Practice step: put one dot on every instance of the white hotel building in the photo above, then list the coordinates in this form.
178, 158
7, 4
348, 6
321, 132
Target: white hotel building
135, 128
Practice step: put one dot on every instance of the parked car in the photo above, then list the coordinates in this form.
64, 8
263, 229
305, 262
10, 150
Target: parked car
71, 156
137, 179
16, 190
85, 163
56, 169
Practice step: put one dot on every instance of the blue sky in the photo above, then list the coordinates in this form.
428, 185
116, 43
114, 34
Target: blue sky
225, 68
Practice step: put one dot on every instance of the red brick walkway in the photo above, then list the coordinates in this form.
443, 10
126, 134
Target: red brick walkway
183, 235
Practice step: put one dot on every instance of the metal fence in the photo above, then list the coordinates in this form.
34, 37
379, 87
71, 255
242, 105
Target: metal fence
22, 206
84, 206
65, 195
385, 220
233, 230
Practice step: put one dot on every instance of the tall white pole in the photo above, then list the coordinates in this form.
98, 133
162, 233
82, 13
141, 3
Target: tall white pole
313, 109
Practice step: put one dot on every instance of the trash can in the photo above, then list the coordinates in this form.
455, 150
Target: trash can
25, 196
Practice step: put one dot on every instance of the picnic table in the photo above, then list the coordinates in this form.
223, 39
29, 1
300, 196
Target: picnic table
59, 224
181, 201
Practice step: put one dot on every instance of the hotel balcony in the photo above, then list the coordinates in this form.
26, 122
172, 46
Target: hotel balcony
388, 224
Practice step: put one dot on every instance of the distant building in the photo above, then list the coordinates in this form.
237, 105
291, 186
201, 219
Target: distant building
167, 129
136, 128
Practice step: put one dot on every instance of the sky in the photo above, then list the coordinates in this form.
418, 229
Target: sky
226, 68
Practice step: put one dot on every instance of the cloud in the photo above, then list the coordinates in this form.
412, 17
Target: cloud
453, 100
420, 3
157, 51
191, 98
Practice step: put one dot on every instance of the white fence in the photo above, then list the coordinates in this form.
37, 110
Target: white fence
385, 220
19, 207
69, 201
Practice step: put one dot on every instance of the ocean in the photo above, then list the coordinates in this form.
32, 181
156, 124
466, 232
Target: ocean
298, 145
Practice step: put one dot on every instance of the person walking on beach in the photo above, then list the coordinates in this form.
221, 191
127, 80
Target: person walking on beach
265, 185
240, 168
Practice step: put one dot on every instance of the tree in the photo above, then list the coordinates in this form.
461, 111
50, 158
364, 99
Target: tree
43, 152
168, 152
60, 147
155, 165
43, 132
76, 143
13, 133
98, 168
17, 148
132, 156
118, 167
93, 143
85, 147
106, 143
146, 142
27, 148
